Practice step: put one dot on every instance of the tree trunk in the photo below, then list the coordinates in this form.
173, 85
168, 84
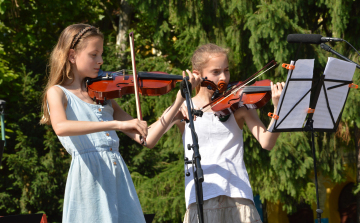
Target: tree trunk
124, 24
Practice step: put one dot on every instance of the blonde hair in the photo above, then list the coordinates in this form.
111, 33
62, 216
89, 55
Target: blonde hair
203, 54
72, 37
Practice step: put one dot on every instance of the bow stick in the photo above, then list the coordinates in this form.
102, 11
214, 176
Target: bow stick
136, 86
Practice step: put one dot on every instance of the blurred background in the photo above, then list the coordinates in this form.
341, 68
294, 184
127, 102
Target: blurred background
35, 165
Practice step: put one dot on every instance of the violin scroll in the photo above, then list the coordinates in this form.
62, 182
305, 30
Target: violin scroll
218, 89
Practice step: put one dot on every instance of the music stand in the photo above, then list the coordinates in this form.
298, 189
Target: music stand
324, 112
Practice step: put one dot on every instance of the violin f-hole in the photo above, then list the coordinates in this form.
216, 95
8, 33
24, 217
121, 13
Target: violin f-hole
235, 99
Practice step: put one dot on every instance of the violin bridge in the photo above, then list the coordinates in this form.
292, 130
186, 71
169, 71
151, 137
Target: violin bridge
123, 73
108, 76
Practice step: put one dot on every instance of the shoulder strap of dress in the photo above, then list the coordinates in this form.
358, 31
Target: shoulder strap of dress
66, 91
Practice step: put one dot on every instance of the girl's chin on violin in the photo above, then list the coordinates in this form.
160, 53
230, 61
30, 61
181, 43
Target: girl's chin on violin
94, 74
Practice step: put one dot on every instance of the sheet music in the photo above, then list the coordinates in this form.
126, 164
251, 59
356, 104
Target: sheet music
295, 91
339, 70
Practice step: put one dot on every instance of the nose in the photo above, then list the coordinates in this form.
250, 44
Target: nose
222, 76
101, 61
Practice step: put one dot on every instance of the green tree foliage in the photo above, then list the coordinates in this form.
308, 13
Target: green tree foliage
35, 165
256, 32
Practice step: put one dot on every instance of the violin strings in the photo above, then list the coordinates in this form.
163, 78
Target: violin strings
237, 89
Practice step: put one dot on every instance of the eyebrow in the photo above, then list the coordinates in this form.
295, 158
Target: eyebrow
219, 68
92, 51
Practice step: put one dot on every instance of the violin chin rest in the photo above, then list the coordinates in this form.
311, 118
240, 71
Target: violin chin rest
224, 118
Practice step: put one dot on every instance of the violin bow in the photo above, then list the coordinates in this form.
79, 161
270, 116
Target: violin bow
135, 77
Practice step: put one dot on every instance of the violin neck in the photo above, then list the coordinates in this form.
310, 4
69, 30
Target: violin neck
158, 76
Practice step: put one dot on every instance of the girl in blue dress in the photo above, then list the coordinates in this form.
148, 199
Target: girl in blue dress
99, 187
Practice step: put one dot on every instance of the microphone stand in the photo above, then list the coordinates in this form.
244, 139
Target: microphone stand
309, 127
198, 173
329, 49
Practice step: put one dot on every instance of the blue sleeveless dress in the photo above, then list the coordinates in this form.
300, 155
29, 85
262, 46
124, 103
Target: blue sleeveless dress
99, 187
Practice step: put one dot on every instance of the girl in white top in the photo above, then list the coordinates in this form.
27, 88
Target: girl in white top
226, 188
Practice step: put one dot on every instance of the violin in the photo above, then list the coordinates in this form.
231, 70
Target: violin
254, 96
239, 95
110, 85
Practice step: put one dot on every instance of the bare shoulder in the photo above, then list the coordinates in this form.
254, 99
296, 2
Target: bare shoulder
55, 91
56, 94
244, 115
241, 113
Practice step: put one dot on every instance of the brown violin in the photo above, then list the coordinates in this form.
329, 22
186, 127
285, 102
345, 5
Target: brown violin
238, 95
251, 97
110, 85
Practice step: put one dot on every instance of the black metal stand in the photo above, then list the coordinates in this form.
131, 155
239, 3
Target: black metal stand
309, 127
198, 172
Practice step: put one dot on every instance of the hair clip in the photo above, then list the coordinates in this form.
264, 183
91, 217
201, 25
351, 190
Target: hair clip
78, 36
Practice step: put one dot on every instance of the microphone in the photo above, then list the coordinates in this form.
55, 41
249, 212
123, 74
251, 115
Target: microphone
310, 38
329, 49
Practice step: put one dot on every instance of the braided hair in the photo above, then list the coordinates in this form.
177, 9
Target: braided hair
78, 36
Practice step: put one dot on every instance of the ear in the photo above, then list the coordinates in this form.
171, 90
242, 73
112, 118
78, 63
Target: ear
72, 56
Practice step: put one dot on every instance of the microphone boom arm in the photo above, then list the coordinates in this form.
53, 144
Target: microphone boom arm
329, 49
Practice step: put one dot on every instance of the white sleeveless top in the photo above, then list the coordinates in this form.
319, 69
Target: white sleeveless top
222, 159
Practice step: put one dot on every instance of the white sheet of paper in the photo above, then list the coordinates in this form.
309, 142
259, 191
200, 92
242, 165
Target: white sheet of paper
338, 70
295, 91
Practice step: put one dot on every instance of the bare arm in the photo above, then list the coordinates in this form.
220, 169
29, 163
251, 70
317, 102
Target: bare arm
158, 128
266, 139
171, 116
64, 127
